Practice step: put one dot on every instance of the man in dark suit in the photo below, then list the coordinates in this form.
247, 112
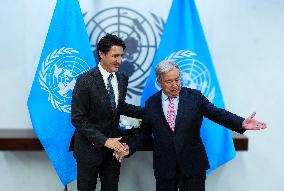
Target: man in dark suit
98, 101
174, 116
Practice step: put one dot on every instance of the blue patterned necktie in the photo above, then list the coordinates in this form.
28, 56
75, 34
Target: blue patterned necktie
110, 92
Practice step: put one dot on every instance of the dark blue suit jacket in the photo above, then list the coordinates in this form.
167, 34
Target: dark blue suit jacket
184, 146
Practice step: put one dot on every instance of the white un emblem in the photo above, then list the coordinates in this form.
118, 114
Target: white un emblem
139, 36
58, 76
194, 74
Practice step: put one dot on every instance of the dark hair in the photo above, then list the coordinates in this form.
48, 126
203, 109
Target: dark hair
107, 42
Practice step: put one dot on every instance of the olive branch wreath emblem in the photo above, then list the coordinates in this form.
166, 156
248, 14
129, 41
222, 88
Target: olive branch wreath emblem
180, 55
187, 54
43, 73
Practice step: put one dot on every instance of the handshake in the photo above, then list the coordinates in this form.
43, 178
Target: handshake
119, 155
120, 149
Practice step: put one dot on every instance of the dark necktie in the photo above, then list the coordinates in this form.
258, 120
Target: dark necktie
110, 92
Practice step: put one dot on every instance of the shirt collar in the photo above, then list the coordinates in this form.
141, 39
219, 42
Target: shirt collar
104, 73
165, 97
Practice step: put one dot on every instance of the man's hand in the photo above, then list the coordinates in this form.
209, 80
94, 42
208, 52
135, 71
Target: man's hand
120, 155
252, 124
113, 143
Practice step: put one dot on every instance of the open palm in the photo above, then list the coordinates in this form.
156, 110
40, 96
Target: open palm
253, 124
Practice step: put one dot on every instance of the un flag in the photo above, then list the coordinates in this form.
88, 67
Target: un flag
183, 41
66, 54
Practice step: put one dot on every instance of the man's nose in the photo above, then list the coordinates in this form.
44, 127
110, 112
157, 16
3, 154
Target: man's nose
119, 60
175, 84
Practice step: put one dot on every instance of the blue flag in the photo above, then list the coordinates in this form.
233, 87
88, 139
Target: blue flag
66, 54
183, 41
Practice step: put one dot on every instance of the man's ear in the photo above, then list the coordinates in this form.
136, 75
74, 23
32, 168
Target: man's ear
101, 54
159, 83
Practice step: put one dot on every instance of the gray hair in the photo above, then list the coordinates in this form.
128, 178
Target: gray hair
164, 67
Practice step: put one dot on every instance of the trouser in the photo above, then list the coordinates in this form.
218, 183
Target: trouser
108, 172
182, 183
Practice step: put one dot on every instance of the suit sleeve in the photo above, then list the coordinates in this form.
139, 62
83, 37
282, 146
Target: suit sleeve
129, 109
80, 106
221, 116
132, 110
142, 134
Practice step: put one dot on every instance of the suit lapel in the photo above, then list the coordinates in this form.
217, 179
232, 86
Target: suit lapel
121, 87
180, 109
101, 88
160, 111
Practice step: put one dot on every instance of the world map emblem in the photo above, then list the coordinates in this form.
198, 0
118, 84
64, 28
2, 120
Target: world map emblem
58, 76
193, 73
140, 38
